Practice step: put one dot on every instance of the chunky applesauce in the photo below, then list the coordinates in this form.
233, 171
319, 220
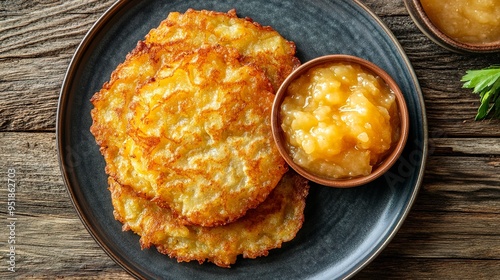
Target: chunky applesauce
467, 21
339, 120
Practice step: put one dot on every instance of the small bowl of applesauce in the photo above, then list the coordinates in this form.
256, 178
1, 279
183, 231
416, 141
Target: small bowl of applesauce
463, 26
340, 121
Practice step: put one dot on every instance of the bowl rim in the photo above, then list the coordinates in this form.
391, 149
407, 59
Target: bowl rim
424, 23
379, 169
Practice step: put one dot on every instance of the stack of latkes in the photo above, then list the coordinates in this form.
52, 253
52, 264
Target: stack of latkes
184, 128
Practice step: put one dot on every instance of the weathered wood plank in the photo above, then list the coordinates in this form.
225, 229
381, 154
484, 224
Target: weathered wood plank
461, 184
50, 238
403, 268
458, 197
447, 235
466, 146
385, 8
58, 246
479, 171
37, 40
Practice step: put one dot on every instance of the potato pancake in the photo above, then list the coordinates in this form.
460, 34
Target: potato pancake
266, 227
195, 136
201, 135
259, 45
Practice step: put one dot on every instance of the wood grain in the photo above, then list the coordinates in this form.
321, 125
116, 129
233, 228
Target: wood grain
429, 268
38, 39
51, 239
452, 231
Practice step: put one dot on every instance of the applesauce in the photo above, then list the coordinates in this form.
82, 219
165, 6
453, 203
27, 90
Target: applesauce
467, 21
339, 120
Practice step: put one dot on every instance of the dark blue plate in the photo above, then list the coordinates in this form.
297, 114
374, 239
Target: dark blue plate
344, 228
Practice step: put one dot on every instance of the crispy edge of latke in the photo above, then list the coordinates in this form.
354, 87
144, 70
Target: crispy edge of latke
253, 217
101, 131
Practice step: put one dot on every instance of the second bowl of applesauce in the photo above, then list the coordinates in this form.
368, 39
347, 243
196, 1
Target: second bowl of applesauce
467, 21
459, 25
340, 121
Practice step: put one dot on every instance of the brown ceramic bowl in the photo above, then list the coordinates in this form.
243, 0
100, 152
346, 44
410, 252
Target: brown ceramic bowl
379, 169
423, 22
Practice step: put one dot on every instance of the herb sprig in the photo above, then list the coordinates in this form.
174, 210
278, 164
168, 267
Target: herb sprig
486, 83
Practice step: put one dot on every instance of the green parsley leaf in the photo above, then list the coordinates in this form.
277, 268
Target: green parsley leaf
486, 83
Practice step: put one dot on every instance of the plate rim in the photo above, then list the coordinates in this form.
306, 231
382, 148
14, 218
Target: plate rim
115, 8
63, 95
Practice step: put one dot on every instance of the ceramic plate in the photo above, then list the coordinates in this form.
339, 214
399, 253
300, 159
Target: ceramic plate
344, 228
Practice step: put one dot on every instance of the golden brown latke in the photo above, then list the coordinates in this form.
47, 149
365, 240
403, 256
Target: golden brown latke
201, 136
266, 227
259, 45
185, 121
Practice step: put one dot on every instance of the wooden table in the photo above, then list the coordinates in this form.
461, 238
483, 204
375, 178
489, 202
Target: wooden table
452, 232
